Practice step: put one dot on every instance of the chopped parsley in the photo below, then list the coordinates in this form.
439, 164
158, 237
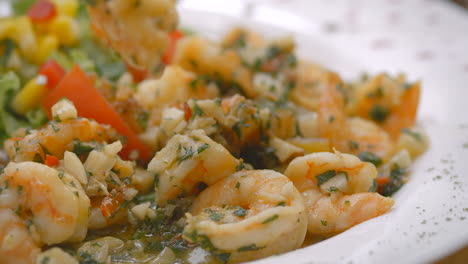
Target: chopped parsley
283, 203
241, 166
215, 216
142, 120
45, 260
367, 156
240, 212
379, 113
196, 111
80, 148
395, 181
415, 135
188, 153
251, 247
324, 177
373, 187
270, 219
202, 148
324, 222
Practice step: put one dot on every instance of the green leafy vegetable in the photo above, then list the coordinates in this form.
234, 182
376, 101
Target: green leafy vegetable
20, 7
324, 177
370, 157
379, 113
395, 181
9, 85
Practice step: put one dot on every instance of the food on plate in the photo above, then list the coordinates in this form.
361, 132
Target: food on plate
126, 139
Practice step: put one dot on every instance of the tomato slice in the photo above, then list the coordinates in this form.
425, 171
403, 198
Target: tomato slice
42, 11
89, 102
53, 71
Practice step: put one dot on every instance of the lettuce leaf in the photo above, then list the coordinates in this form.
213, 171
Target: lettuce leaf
9, 85
9, 122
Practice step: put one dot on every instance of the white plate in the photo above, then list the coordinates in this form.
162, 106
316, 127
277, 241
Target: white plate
430, 217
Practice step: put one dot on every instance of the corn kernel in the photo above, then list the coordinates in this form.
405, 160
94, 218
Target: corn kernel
65, 29
22, 25
7, 28
47, 45
66, 7
30, 96
25, 38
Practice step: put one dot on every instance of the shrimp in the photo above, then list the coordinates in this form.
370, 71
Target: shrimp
55, 138
53, 201
203, 57
390, 102
116, 20
16, 243
187, 162
353, 135
337, 190
248, 215
310, 82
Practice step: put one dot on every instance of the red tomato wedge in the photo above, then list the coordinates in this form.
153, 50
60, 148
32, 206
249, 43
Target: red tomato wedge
79, 89
42, 11
169, 54
53, 71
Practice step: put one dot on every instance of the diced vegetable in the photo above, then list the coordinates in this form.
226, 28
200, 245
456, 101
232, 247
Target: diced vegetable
65, 29
9, 84
111, 203
30, 96
46, 45
51, 161
42, 11
53, 72
66, 7
22, 6
79, 89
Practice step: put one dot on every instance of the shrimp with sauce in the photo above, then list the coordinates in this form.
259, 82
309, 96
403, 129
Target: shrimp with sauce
52, 200
142, 49
55, 138
338, 191
39, 205
353, 135
17, 244
248, 215
392, 103
187, 162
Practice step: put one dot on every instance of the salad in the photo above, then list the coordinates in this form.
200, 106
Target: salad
126, 139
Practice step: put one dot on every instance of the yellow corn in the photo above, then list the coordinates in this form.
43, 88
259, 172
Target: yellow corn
30, 96
65, 29
66, 7
25, 38
7, 28
47, 45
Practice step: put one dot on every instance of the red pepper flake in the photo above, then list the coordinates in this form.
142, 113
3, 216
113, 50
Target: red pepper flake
51, 161
188, 112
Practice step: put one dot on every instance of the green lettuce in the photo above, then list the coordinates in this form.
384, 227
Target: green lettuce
9, 122
9, 85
